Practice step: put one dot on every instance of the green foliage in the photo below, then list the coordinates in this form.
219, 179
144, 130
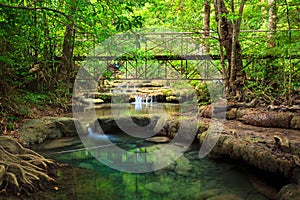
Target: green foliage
203, 94
31, 39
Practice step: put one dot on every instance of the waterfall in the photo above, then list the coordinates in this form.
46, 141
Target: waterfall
146, 101
138, 102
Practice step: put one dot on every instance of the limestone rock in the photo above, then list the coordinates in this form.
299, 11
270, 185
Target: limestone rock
267, 119
158, 139
94, 101
38, 130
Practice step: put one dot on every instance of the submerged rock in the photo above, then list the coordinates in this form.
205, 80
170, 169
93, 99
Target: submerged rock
183, 166
226, 196
156, 187
206, 194
263, 188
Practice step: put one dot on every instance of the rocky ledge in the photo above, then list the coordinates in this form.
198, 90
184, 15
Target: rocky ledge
255, 116
274, 150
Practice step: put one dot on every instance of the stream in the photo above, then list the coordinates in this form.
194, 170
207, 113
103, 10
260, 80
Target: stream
189, 177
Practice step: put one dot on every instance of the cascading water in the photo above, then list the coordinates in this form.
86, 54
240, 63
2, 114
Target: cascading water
139, 99
138, 102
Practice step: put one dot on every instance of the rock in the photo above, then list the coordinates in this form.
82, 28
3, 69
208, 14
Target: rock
226, 197
206, 194
206, 111
295, 122
183, 166
156, 187
289, 192
60, 143
94, 101
2, 172
267, 119
263, 188
158, 139
37, 130
252, 154
231, 114
66, 126
282, 143
171, 99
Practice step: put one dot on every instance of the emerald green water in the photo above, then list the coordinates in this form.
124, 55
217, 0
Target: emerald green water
204, 178
189, 177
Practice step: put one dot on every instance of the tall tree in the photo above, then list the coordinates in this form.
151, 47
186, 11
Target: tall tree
65, 69
228, 30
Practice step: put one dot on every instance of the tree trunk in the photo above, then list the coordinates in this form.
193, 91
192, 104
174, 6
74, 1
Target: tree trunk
272, 23
272, 68
66, 66
228, 37
206, 25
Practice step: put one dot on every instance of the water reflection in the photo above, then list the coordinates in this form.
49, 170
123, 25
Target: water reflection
188, 178
133, 108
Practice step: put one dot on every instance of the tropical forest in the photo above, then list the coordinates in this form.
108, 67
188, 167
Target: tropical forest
174, 99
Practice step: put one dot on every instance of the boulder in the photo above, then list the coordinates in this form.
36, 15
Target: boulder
289, 192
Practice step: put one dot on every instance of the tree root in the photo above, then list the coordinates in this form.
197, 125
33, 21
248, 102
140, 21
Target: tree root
22, 169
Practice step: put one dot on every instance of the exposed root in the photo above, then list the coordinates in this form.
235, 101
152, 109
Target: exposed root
21, 169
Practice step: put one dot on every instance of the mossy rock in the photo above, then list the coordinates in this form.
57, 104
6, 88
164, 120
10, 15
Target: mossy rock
206, 194
37, 130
